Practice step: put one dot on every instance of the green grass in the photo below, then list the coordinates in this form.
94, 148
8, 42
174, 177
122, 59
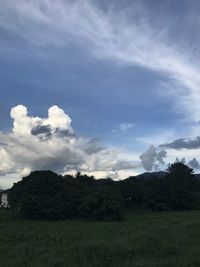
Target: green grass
168, 239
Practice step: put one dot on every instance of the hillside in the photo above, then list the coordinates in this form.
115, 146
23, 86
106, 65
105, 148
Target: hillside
160, 174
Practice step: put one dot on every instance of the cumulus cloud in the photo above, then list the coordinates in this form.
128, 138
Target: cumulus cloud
183, 143
148, 158
160, 156
181, 151
194, 164
36, 143
152, 158
24, 124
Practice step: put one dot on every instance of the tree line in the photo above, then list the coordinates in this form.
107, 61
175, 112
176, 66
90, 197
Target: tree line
45, 195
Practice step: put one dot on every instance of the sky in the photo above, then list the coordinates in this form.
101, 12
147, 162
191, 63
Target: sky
108, 88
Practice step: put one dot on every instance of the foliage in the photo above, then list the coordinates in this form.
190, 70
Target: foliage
178, 189
181, 187
48, 196
45, 195
85, 179
102, 203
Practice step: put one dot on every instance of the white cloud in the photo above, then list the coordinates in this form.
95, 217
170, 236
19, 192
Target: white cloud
125, 126
58, 119
127, 36
50, 143
23, 124
115, 175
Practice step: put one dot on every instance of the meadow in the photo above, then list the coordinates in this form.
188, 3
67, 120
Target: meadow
162, 239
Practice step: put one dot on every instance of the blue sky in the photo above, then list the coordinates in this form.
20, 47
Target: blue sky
125, 72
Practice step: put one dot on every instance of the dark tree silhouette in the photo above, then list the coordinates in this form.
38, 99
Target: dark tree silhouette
182, 187
48, 196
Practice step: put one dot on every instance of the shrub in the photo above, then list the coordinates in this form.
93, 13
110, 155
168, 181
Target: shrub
46, 195
102, 203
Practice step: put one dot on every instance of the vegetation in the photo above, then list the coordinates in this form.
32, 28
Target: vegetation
144, 238
48, 196
170, 239
177, 189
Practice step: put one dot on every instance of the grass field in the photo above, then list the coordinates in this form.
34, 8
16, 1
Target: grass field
147, 239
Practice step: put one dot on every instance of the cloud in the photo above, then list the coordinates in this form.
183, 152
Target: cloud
180, 150
182, 143
132, 35
182, 160
125, 126
160, 156
194, 164
23, 124
125, 165
152, 158
148, 158
163, 136
36, 143
43, 131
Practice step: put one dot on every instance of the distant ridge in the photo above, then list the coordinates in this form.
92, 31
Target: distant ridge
149, 175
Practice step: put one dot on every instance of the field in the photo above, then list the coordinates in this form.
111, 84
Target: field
142, 239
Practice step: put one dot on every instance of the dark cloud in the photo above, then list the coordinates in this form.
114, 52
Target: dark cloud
44, 130
125, 165
93, 146
59, 162
194, 164
148, 158
152, 158
63, 133
161, 155
183, 143
3, 144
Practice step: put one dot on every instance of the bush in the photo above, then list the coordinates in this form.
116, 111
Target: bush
46, 195
102, 203
181, 187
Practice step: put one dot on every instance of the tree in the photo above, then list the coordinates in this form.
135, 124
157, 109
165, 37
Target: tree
102, 203
46, 195
85, 179
181, 187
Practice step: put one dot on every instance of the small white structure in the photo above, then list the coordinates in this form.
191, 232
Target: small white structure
4, 199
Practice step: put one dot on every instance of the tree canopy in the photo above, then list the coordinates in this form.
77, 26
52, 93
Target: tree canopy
46, 195
49, 196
